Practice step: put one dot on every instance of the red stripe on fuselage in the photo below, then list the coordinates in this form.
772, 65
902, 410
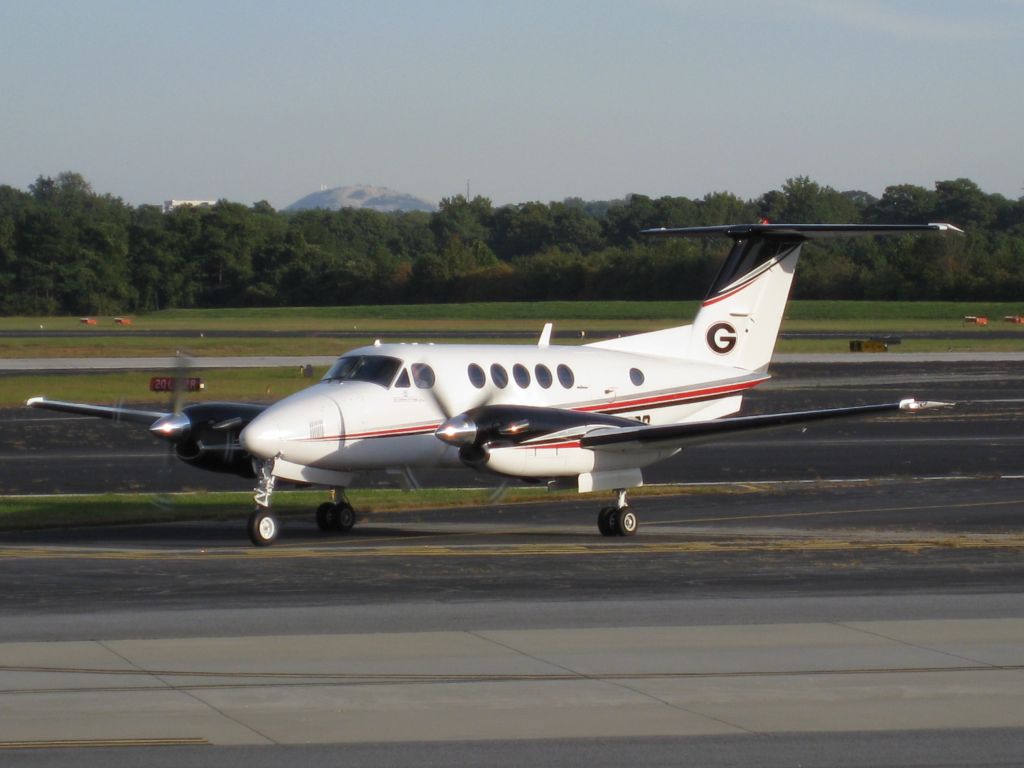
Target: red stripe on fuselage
657, 401
660, 401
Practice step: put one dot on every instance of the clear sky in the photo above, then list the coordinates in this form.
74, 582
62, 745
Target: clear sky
527, 100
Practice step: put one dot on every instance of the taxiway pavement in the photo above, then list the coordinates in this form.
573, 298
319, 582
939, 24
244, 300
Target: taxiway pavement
860, 610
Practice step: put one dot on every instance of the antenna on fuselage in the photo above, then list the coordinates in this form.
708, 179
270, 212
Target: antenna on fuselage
545, 335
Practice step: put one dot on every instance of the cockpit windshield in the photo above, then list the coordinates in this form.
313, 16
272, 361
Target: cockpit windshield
376, 369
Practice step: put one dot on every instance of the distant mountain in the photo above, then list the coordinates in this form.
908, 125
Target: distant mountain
362, 196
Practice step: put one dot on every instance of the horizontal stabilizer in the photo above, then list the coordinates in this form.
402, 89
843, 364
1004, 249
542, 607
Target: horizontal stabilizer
800, 231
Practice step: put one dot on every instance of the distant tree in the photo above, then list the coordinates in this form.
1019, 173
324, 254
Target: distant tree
224, 254
803, 201
902, 204
623, 223
65, 248
718, 208
519, 230
962, 202
467, 220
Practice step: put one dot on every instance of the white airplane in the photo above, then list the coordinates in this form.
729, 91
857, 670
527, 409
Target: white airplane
589, 417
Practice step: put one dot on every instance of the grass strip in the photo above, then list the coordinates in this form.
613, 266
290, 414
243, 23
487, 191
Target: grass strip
41, 512
499, 315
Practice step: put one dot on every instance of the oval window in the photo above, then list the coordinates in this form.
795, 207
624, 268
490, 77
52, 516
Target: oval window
636, 376
422, 375
476, 376
499, 376
565, 376
543, 374
521, 375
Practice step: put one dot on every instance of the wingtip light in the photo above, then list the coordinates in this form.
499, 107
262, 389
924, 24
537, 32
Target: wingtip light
912, 405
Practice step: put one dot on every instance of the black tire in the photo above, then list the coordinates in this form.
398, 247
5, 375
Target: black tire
323, 519
345, 516
263, 528
626, 522
606, 521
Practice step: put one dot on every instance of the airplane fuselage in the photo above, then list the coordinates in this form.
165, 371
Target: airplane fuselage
386, 412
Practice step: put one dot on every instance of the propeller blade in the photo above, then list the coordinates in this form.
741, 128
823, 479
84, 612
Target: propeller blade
175, 427
447, 406
182, 369
499, 492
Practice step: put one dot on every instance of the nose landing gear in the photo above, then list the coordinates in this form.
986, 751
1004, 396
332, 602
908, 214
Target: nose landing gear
263, 526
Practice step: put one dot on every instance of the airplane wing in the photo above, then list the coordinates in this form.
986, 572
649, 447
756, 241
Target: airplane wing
204, 435
673, 435
115, 413
504, 425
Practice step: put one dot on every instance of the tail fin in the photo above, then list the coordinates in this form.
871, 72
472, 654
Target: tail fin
739, 320
738, 323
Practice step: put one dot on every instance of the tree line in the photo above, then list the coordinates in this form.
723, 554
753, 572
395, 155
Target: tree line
66, 249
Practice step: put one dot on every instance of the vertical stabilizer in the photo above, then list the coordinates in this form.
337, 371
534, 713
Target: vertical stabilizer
739, 321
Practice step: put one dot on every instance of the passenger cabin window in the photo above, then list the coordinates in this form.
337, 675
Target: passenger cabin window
423, 375
565, 376
543, 374
521, 375
499, 376
636, 376
376, 369
477, 377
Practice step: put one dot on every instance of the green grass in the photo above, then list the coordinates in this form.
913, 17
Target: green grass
41, 512
245, 384
487, 316
889, 311
21, 512
37, 512
497, 315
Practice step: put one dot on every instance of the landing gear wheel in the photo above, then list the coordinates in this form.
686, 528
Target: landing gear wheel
262, 528
345, 516
323, 516
606, 520
627, 522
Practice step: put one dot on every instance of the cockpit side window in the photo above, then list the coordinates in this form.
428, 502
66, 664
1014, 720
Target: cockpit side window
376, 369
423, 375
403, 380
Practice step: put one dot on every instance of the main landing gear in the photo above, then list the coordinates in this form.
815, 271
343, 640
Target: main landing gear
618, 520
334, 515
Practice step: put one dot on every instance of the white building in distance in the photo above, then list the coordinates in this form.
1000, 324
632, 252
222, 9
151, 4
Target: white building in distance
170, 205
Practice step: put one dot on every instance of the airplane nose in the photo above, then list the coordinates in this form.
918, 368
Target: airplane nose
262, 437
290, 427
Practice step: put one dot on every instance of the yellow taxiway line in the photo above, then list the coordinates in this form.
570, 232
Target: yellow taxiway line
762, 543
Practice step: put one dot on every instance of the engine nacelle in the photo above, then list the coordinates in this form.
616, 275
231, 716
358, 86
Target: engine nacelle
210, 439
564, 460
228, 458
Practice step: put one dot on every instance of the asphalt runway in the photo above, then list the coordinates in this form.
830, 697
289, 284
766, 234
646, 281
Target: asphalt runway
846, 596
